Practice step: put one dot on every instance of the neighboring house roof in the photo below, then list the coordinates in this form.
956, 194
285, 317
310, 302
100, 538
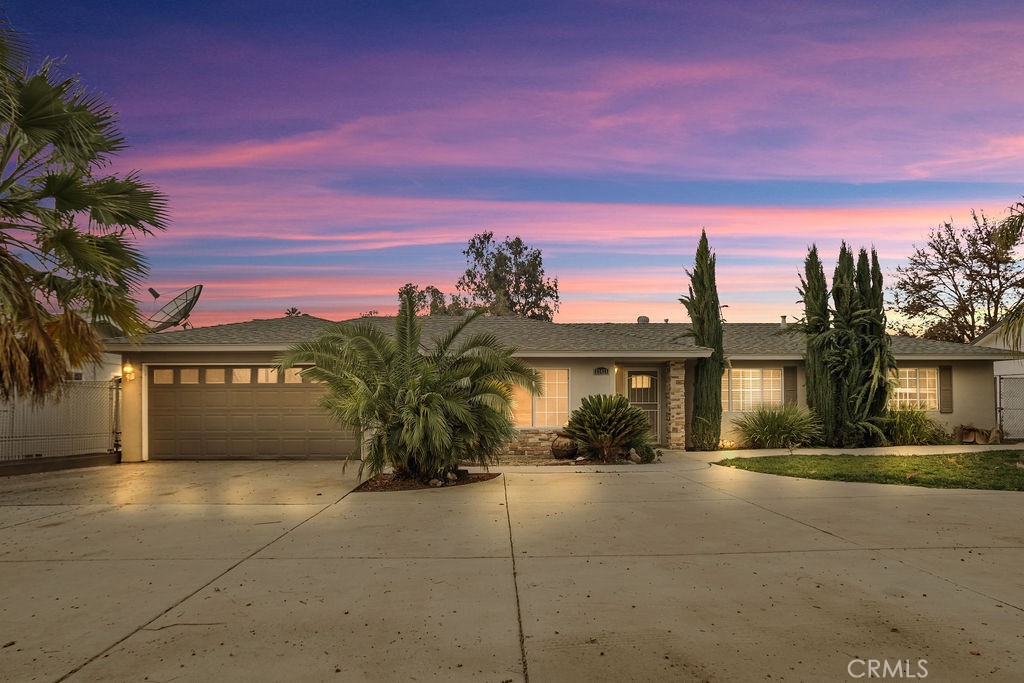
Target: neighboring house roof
742, 341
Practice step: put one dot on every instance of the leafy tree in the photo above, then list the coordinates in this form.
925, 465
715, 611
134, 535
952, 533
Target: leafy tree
507, 278
421, 409
67, 256
964, 279
433, 301
849, 356
292, 312
706, 320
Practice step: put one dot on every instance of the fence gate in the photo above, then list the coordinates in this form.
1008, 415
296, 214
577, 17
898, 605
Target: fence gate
1011, 407
84, 421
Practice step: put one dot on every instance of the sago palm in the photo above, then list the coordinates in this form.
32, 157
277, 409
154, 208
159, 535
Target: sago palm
420, 410
607, 426
66, 229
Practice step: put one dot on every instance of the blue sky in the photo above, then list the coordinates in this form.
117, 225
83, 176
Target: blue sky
322, 155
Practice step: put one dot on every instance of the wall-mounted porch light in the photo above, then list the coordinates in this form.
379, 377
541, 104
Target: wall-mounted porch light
128, 372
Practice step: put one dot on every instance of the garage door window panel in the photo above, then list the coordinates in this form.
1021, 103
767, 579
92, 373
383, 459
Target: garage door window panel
266, 375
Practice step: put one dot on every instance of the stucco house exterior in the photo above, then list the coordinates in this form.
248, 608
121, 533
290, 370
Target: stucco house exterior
1009, 380
215, 392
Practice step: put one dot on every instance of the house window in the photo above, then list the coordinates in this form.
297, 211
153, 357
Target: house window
189, 376
293, 376
241, 375
916, 388
266, 375
214, 375
550, 409
163, 376
746, 389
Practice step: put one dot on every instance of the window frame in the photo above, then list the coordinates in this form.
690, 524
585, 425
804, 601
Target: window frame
729, 389
930, 405
534, 400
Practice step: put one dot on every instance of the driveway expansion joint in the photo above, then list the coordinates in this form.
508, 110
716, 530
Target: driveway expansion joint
515, 584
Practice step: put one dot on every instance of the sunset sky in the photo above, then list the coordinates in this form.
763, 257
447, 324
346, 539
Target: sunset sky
321, 154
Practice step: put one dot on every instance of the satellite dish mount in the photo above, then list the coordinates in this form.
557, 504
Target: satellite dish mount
175, 311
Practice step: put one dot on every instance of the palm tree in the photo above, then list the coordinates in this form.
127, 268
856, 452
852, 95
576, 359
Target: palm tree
67, 258
420, 410
1012, 325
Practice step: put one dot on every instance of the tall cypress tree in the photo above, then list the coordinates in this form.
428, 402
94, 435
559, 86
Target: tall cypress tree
849, 356
843, 348
705, 313
814, 294
877, 361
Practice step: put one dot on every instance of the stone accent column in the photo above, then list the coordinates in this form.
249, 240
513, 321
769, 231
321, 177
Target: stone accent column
676, 408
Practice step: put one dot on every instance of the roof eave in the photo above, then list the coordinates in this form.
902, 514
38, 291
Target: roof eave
193, 348
240, 348
953, 356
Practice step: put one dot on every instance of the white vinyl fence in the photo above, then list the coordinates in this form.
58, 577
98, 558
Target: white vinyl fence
83, 421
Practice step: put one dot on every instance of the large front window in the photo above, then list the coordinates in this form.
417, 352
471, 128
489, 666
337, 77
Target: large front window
916, 388
550, 409
745, 389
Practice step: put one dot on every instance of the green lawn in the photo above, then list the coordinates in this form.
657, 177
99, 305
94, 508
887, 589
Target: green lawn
995, 470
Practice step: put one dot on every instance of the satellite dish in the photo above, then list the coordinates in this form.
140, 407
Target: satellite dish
175, 311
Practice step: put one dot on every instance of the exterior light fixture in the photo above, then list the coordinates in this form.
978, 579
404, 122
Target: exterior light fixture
128, 372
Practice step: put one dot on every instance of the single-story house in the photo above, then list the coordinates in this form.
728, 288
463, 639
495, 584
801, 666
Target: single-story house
215, 392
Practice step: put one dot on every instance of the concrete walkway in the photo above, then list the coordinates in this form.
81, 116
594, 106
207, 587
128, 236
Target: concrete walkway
677, 571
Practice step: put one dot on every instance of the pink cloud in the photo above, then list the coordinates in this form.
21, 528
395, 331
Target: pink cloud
883, 106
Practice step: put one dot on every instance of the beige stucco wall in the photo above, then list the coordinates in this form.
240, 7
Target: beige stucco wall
974, 397
582, 380
974, 400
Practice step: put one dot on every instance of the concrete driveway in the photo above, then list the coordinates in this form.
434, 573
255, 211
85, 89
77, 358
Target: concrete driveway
678, 571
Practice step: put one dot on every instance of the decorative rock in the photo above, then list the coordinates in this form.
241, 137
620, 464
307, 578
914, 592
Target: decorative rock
581, 459
634, 457
563, 447
436, 483
451, 476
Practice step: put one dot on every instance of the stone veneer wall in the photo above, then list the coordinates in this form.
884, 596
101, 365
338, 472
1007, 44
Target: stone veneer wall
533, 442
676, 404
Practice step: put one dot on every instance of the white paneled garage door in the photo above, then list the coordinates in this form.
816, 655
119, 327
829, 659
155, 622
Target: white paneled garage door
239, 412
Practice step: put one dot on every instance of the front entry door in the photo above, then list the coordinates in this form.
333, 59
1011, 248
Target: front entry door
643, 391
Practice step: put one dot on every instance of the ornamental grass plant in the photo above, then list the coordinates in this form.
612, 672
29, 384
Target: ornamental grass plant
787, 426
913, 427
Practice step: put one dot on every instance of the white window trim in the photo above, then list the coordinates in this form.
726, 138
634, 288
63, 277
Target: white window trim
938, 389
727, 401
533, 402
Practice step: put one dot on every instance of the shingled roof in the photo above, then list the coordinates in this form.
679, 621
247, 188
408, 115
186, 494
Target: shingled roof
536, 337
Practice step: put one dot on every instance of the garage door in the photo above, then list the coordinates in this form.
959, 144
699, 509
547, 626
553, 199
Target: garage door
239, 412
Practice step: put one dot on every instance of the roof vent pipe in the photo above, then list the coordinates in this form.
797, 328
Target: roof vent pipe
643, 319
782, 322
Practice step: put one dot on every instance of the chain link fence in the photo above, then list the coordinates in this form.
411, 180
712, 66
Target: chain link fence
84, 421
1011, 407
